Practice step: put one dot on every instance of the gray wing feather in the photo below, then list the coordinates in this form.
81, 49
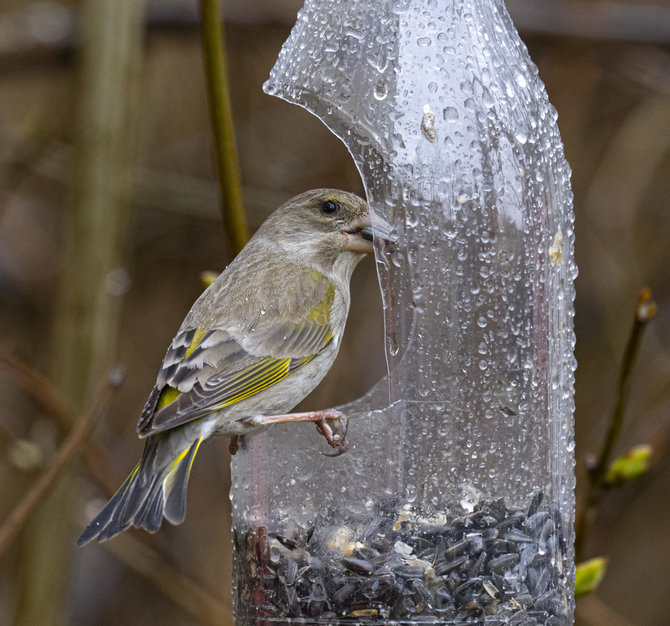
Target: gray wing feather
227, 364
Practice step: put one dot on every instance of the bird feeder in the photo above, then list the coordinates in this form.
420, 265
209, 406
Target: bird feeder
454, 503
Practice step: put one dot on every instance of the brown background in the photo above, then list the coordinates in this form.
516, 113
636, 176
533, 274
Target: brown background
609, 80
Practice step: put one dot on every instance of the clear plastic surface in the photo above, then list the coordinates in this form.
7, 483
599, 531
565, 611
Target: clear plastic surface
469, 440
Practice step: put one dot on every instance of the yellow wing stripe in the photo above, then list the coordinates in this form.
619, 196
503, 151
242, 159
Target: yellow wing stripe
130, 479
270, 376
179, 458
190, 465
320, 314
264, 379
198, 336
171, 475
168, 396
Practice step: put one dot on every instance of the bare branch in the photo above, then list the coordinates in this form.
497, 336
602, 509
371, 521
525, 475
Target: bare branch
645, 310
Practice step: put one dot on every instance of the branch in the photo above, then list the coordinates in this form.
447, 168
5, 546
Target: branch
220, 111
645, 309
65, 455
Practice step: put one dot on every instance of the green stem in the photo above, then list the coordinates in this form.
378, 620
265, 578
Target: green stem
645, 310
228, 170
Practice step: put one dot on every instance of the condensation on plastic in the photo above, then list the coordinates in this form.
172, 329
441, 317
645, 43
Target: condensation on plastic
451, 129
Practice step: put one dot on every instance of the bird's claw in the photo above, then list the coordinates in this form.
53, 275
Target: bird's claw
334, 428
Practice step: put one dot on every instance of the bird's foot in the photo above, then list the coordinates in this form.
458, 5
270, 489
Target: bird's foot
331, 423
333, 426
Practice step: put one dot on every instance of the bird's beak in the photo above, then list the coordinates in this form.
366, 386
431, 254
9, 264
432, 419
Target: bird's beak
360, 233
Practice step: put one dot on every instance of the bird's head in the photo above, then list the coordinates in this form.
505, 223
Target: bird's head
325, 227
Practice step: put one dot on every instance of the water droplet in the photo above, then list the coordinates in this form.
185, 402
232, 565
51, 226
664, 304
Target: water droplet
450, 114
411, 492
353, 33
381, 90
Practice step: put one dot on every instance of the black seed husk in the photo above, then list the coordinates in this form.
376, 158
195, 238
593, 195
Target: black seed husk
493, 566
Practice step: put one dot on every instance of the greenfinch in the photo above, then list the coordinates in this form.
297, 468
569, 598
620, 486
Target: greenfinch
255, 343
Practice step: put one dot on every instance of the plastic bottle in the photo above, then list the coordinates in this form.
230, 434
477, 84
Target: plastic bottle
455, 501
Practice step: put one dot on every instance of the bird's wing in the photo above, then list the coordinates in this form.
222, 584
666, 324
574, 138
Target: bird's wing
206, 370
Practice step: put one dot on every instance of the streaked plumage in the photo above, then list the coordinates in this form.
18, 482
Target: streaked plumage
254, 344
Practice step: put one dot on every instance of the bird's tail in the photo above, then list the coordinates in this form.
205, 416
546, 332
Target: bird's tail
156, 488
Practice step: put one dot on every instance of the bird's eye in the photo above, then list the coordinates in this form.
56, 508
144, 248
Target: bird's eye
329, 207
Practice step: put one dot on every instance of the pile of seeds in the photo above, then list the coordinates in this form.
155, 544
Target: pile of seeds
491, 566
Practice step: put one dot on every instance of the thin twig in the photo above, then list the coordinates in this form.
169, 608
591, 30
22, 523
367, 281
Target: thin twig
65, 455
221, 116
645, 309
182, 590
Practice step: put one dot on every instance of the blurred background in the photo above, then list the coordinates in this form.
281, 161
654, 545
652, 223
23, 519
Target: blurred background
141, 249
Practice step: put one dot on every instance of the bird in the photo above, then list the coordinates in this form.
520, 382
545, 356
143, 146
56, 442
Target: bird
256, 342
